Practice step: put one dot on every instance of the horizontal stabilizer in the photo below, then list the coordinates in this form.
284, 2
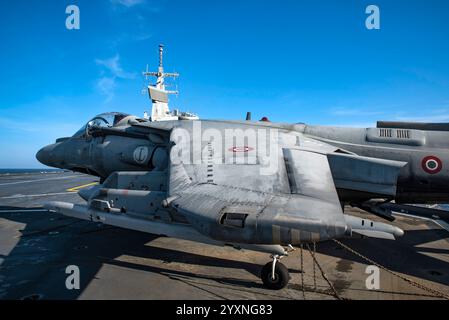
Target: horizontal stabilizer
309, 174
371, 175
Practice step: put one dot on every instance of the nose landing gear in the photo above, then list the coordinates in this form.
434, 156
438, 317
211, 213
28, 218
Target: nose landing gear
275, 275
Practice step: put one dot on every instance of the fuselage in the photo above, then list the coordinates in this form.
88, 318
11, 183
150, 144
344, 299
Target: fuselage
425, 178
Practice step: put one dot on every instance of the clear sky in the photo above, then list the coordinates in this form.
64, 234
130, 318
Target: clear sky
307, 61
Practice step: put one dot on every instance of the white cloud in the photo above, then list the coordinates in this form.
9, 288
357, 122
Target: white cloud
440, 115
107, 83
39, 126
433, 118
352, 125
142, 37
113, 66
125, 38
354, 112
106, 86
128, 3
433, 115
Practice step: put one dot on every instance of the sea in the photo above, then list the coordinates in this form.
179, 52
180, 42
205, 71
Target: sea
30, 171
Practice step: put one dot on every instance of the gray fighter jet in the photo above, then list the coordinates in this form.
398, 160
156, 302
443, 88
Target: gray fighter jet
254, 185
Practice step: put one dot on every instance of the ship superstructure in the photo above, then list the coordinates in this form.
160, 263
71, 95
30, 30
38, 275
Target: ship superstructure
158, 94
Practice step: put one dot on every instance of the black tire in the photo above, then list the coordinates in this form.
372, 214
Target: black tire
281, 276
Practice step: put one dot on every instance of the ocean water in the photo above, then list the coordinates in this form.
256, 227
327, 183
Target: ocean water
29, 171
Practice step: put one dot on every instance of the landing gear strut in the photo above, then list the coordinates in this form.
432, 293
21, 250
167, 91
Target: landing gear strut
274, 274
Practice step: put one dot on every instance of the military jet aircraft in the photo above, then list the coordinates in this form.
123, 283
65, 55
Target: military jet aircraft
180, 179
254, 185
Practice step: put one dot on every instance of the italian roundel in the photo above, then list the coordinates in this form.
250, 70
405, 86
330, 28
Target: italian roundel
431, 164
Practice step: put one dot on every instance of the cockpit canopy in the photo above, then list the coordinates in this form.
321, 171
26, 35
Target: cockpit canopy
104, 120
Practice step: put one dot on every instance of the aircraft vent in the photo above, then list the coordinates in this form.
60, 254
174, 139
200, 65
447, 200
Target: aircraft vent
389, 133
233, 219
385, 133
396, 136
403, 134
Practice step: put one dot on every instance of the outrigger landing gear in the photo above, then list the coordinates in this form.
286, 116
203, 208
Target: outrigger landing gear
274, 274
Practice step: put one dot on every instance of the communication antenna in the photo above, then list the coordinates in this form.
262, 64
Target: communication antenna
145, 82
159, 94
161, 75
161, 53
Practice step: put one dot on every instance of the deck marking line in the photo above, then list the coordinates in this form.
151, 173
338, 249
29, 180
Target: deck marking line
74, 189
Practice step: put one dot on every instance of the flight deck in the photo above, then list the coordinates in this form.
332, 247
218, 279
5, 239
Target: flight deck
36, 246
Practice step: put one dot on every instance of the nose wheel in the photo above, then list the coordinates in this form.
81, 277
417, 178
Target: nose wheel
275, 275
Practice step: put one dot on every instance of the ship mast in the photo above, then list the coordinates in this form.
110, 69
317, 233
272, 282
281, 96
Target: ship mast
159, 95
160, 74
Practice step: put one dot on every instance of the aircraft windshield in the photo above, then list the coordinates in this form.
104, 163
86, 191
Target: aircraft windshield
109, 119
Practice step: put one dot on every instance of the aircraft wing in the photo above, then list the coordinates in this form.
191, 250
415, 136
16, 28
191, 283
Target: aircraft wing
310, 212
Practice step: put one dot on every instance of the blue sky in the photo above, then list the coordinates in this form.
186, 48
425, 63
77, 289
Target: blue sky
293, 61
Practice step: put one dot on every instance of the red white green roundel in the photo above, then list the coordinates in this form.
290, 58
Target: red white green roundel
431, 164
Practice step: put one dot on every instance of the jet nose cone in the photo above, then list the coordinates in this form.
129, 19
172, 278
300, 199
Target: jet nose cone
44, 155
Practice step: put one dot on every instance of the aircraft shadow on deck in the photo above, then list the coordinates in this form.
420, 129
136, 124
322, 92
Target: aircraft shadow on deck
408, 255
49, 242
